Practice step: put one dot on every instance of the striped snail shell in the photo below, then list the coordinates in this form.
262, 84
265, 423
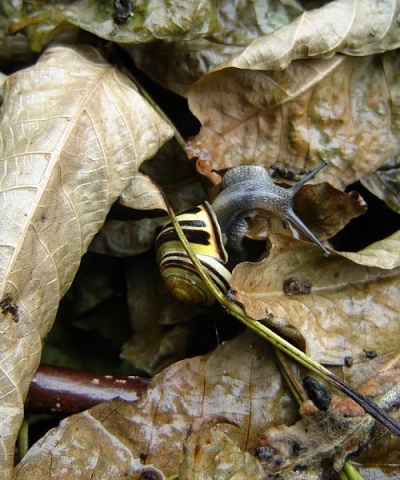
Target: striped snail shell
201, 228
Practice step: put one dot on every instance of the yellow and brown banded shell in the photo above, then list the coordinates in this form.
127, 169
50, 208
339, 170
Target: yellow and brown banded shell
180, 276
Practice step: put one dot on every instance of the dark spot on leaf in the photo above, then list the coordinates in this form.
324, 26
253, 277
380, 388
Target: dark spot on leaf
9, 308
123, 10
370, 353
348, 361
294, 286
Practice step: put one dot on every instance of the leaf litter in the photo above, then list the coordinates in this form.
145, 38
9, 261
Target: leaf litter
336, 107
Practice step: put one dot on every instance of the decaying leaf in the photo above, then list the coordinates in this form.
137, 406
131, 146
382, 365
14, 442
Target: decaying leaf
131, 22
59, 174
315, 446
209, 452
158, 321
338, 109
239, 379
350, 304
374, 378
322, 441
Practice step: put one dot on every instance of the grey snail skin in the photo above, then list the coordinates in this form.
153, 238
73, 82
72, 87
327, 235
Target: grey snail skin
247, 190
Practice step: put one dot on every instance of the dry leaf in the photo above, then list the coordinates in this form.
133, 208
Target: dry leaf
130, 22
345, 308
209, 452
240, 24
385, 183
143, 194
125, 238
355, 27
338, 109
239, 379
74, 131
158, 321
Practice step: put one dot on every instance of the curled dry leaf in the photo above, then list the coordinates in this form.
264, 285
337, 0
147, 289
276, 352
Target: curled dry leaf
348, 308
143, 194
73, 133
356, 27
239, 26
239, 380
385, 183
338, 109
132, 22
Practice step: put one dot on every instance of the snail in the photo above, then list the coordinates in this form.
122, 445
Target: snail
212, 230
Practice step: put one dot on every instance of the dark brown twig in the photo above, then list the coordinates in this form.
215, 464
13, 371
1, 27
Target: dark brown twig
66, 390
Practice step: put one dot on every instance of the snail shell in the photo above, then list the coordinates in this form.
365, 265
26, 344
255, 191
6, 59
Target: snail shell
201, 228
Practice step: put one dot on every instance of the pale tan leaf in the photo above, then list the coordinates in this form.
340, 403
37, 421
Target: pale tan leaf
143, 194
342, 110
355, 27
239, 380
347, 308
240, 24
73, 133
384, 254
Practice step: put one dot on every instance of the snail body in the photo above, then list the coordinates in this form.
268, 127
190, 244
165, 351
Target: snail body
247, 191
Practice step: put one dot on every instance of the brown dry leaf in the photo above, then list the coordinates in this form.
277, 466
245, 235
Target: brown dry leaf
352, 306
210, 453
73, 133
323, 208
338, 109
159, 322
239, 379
